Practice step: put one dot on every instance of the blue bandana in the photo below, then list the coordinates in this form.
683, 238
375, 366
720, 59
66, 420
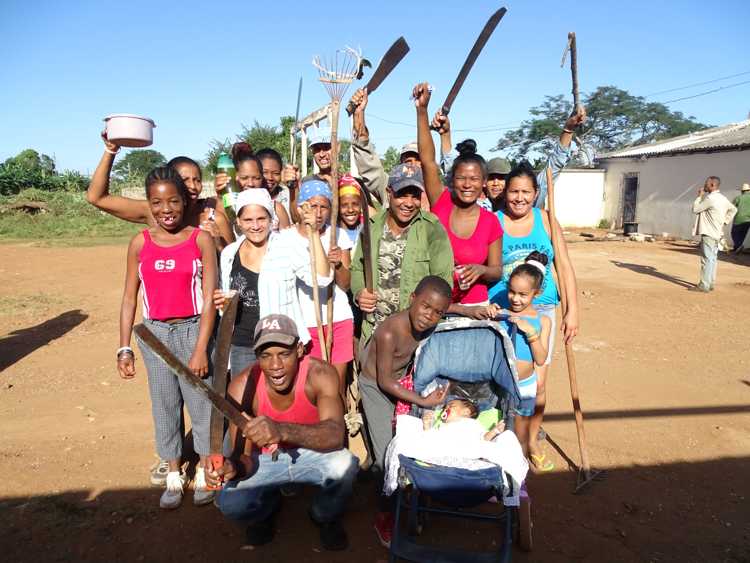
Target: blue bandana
311, 188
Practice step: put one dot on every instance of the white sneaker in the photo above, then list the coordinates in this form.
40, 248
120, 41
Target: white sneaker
203, 495
171, 498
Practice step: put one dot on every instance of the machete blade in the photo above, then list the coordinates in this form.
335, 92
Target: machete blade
221, 365
390, 60
226, 408
481, 41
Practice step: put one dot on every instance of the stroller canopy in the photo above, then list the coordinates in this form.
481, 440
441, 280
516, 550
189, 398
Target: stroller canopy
469, 351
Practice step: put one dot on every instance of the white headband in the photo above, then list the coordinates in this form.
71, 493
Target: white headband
538, 265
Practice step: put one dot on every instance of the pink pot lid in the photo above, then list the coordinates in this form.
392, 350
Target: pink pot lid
131, 115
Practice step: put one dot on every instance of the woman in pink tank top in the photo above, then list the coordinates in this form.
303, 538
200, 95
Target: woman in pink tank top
475, 233
174, 266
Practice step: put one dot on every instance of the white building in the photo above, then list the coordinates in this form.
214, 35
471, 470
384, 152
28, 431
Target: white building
655, 184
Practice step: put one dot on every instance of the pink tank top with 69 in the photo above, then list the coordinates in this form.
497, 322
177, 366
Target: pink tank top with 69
171, 278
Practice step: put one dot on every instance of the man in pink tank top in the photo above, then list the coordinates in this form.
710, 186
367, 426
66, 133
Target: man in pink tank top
295, 404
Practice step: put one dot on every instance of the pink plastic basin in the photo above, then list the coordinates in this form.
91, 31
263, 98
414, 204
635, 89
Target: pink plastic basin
130, 130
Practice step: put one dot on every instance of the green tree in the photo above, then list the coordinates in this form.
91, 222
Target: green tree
616, 119
30, 169
136, 164
390, 159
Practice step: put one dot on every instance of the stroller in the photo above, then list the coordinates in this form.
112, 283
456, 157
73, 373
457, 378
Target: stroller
477, 358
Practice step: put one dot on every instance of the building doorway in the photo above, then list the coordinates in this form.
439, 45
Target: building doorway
629, 198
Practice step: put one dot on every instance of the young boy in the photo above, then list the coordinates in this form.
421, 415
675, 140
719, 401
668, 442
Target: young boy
384, 360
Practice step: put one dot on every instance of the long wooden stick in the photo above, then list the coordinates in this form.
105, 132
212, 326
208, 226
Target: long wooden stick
574, 69
335, 107
569, 355
316, 297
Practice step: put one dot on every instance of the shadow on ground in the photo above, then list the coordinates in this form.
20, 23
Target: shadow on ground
741, 259
671, 512
20, 343
653, 272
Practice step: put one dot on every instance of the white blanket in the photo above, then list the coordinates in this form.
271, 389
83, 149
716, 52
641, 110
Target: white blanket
456, 444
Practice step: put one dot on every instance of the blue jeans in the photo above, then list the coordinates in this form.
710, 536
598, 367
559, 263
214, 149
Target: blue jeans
710, 255
255, 498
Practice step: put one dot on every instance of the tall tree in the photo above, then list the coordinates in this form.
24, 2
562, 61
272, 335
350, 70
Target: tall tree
616, 119
390, 159
136, 164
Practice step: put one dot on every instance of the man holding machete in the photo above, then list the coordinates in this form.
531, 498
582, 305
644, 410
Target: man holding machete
294, 402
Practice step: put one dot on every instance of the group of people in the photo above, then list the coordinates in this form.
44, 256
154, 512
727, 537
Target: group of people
476, 243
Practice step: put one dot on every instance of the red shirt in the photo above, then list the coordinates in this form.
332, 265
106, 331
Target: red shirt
171, 278
302, 411
472, 250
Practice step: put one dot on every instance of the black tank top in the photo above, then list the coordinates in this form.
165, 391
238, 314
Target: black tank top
248, 313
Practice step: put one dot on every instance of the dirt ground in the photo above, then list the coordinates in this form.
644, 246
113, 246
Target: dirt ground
664, 375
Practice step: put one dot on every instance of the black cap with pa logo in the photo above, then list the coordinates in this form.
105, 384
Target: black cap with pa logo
275, 329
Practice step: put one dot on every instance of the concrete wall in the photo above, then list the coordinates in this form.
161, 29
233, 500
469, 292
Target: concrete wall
579, 197
667, 187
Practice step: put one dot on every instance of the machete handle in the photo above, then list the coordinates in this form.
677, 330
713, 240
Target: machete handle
216, 462
444, 111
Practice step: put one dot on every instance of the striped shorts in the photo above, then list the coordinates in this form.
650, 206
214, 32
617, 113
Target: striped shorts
169, 393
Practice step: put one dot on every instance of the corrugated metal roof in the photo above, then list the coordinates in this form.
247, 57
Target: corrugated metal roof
735, 136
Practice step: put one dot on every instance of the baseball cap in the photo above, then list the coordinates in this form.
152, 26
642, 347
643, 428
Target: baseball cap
405, 176
746, 187
275, 329
498, 166
321, 136
409, 147
253, 196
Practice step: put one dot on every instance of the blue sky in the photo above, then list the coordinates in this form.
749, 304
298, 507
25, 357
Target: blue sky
201, 70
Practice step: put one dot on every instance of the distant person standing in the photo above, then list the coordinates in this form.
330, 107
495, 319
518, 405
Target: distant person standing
742, 220
713, 211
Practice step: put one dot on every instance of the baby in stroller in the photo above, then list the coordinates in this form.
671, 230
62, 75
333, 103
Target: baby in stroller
464, 412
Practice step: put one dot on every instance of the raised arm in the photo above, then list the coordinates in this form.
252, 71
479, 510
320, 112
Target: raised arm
430, 171
133, 210
368, 162
442, 124
284, 221
560, 155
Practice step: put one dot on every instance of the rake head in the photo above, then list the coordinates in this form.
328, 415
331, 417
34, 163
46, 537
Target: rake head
338, 71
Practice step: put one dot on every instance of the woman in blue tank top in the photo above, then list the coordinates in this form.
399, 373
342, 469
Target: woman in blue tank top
527, 229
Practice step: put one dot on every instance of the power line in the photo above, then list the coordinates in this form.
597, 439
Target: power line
707, 92
697, 84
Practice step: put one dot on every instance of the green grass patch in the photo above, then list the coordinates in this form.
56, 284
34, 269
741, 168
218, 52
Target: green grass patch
67, 219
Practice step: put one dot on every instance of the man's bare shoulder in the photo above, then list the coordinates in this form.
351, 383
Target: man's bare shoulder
322, 376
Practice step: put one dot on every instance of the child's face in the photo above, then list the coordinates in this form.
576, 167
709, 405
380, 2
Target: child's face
455, 410
426, 309
167, 205
521, 292
350, 210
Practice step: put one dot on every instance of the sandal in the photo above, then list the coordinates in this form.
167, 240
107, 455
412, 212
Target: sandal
541, 463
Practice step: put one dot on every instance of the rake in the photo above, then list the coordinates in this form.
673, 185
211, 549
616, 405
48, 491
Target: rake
336, 73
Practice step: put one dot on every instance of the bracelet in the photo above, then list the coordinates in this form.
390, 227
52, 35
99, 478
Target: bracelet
533, 337
568, 131
111, 152
124, 349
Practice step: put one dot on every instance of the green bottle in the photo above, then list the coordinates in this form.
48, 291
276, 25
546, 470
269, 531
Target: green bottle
225, 165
